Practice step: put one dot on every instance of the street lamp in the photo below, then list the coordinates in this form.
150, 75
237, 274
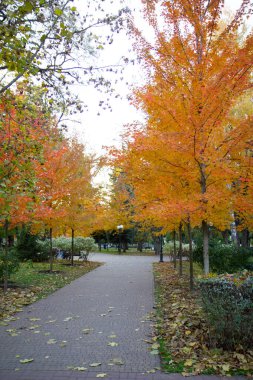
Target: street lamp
120, 229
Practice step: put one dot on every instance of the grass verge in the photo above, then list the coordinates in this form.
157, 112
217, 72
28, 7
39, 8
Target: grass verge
32, 283
183, 332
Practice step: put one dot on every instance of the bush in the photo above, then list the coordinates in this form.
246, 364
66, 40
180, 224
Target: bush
43, 249
228, 305
28, 247
224, 257
169, 248
86, 246
80, 244
8, 262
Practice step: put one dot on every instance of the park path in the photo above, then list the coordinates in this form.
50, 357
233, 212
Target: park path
112, 304
73, 326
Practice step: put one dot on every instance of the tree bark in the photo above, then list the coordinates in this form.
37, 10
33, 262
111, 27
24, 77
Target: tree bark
190, 255
161, 248
72, 246
139, 246
6, 227
51, 248
245, 238
180, 250
174, 250
205, 230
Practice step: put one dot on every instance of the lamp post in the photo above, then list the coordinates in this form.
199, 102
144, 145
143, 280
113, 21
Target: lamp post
120, 229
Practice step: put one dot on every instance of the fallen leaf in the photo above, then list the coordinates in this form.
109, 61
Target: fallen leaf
188, 363
116, 361
225, 367
112, 344
87, 331
51, 341
79, 369
101, 375
95, 364
67, 319
154, 352
24, 361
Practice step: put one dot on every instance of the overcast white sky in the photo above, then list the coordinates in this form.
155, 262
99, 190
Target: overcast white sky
104, 130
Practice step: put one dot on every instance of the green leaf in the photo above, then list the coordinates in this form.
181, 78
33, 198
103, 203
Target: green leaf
28, 7
58, 12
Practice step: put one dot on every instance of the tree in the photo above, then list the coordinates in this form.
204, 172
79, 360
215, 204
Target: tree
22, 133
196, 69
53, 186
81, 205
52, 43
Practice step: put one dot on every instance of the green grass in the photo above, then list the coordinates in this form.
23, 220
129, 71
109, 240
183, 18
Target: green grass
129, 252
29, 275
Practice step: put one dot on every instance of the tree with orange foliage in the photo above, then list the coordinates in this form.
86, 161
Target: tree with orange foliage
81, 207
196, 70
22, 133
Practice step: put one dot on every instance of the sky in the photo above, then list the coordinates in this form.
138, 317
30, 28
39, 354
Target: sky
97, 131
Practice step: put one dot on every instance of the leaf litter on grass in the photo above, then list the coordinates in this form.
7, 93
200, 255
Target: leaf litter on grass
183, 332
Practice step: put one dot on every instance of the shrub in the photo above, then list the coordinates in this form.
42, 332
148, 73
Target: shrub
9, 262
169, 248
87, 245
228, 305
43, 249
224, 257
27, 246
81, 244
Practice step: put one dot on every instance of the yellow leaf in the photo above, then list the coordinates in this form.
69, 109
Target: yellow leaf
225, 367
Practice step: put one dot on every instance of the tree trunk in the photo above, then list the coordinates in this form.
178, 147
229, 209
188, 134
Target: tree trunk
139, 246
72, 246
245, 238
124, 245
180, 251
161, 248
10, 240
205, 230
6, 227
51, 248
225, 235
107, 240
190, 254
174, 250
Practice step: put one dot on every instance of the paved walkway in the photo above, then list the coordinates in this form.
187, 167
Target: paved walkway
103, 317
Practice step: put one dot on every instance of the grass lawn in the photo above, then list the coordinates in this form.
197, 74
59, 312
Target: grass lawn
183, 333
30, 283
129, 252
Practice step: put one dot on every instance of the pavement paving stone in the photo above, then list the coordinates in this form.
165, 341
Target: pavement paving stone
73, 327
113, 301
